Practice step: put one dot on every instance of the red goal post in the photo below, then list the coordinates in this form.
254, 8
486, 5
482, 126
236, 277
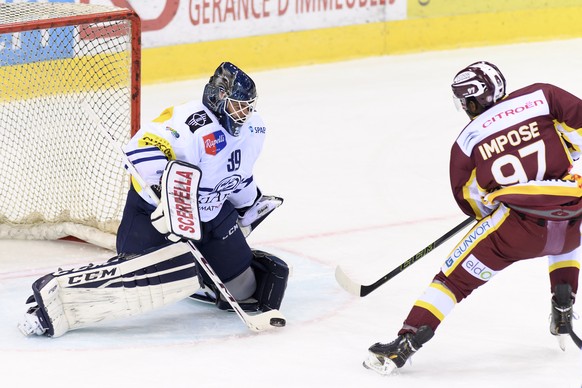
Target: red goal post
61, 176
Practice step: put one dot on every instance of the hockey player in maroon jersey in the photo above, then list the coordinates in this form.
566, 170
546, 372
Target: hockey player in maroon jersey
510, 169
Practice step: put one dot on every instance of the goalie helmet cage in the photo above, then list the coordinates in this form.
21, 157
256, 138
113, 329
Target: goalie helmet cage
61, 177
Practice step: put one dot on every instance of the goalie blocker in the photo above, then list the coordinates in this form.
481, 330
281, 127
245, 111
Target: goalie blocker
177, 215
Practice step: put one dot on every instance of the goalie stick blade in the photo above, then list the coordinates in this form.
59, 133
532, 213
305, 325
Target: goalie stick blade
265, 321
346, 283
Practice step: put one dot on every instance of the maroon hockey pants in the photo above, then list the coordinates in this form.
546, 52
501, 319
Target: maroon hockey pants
496, 242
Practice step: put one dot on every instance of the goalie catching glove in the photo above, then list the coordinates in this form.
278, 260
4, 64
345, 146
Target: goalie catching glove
177, 215
251, 216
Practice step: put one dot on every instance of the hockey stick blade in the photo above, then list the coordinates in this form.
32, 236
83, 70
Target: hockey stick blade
257, 322
266, 321
362, 290
347, 284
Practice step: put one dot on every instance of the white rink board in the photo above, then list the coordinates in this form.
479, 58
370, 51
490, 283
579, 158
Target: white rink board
202, 20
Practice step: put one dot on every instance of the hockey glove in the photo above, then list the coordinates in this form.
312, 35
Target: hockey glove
159, 222
177, 216
250, 217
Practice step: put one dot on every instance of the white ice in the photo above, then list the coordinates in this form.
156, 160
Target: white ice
359, 150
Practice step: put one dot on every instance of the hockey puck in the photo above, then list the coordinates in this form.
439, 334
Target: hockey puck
278, 322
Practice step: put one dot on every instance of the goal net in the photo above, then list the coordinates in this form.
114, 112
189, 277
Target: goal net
60, 175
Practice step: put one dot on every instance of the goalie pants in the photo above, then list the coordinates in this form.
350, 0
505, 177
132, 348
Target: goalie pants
222, 245
496, 242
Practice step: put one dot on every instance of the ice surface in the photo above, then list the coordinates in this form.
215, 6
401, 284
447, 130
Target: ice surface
359, 150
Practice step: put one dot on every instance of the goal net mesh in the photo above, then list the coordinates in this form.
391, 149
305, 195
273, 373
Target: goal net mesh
61, 175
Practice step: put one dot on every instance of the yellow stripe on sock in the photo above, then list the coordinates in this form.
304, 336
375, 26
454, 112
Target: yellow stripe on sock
430, 308
564, 264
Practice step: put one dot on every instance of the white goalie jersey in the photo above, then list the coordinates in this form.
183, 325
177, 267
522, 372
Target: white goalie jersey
192, 133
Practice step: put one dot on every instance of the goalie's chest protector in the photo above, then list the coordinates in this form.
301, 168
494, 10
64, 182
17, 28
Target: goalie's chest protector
226, 161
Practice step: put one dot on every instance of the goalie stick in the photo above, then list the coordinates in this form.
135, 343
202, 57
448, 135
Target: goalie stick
257, 322
362, 290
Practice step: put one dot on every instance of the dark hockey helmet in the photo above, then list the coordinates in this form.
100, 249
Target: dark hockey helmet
231, 95
482, 81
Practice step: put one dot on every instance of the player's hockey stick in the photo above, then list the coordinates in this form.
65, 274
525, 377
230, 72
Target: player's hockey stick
573, 335
362, 290
257, 322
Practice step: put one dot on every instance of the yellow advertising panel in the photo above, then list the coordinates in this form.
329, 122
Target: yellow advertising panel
438, 8
451, 32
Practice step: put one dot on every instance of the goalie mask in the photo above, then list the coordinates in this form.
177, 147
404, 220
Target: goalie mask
231, 95
481, 81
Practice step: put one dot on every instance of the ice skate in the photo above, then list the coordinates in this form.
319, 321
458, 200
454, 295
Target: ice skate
386, 358
208, 295
204, 295
31, 323
561, 317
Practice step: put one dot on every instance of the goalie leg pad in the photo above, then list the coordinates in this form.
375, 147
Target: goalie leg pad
271, 273
121, 287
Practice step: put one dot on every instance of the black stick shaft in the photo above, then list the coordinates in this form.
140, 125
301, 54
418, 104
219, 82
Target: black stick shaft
365, 290
573, 335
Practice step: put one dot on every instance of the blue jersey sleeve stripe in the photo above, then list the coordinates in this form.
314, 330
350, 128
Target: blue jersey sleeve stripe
142, 150
149, 159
